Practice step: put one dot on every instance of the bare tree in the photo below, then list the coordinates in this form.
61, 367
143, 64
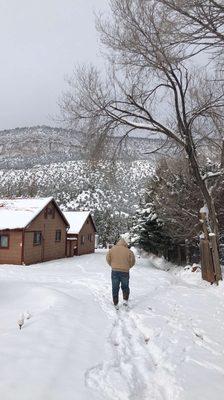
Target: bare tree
151, 86
197, 22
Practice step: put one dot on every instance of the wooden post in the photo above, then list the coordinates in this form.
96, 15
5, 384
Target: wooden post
207, 271
210, 264
215, 258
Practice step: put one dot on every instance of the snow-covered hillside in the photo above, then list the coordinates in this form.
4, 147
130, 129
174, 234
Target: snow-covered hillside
28, 146
24, 147
102, 188
80, 183
169, 346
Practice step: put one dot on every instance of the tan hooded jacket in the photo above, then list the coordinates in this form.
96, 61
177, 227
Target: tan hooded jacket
120, 258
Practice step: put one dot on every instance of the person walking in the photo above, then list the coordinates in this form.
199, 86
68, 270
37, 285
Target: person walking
121, 260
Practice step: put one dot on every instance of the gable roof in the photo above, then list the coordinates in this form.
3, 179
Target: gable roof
18, 213
77, 219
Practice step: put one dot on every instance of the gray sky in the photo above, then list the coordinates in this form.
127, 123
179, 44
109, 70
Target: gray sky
40, 43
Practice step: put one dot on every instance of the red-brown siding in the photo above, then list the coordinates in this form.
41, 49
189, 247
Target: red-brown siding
13, 254
88, 246
49, 249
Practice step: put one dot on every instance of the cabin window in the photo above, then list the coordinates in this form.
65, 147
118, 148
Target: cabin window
4, 241
49, 212
37, 236
82, 239
58, 235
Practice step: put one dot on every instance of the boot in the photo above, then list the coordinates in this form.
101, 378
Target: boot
115, 300
126, 305
125, 300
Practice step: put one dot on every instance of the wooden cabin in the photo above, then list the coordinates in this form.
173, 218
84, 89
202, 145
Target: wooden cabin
31, 231
81, 234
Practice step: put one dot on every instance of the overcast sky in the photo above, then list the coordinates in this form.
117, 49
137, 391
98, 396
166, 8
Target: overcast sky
40, 43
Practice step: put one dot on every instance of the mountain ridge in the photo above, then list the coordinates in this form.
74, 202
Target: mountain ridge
26, 147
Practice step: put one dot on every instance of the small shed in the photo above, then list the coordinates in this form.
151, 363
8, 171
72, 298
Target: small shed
81, 234
31, 231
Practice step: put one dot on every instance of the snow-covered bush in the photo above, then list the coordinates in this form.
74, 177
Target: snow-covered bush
148, 231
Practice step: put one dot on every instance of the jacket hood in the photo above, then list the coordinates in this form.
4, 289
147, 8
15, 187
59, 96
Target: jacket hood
122, 242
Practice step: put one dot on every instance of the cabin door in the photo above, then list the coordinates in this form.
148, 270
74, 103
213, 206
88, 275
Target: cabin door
75, 249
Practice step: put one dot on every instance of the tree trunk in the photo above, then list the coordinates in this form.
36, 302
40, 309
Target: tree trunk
204, 190
187, 251
222, 155
209, 202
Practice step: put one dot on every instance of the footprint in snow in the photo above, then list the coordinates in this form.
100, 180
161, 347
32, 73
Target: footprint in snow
130, 372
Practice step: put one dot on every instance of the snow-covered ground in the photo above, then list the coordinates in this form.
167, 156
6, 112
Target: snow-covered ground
75, 346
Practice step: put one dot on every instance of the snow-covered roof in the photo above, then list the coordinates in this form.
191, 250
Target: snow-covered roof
18, 213
76, 220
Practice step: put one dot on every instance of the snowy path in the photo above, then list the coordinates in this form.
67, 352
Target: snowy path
131, 372
169, 346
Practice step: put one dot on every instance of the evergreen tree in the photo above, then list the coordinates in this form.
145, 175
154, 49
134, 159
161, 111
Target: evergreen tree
148, 231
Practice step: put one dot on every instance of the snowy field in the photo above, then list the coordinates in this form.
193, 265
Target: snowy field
75, 346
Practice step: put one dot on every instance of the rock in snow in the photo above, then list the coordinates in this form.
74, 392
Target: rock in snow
20, 321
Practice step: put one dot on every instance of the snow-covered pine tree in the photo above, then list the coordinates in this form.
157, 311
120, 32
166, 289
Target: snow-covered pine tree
148, 232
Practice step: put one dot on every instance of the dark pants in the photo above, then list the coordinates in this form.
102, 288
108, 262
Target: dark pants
118, 278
